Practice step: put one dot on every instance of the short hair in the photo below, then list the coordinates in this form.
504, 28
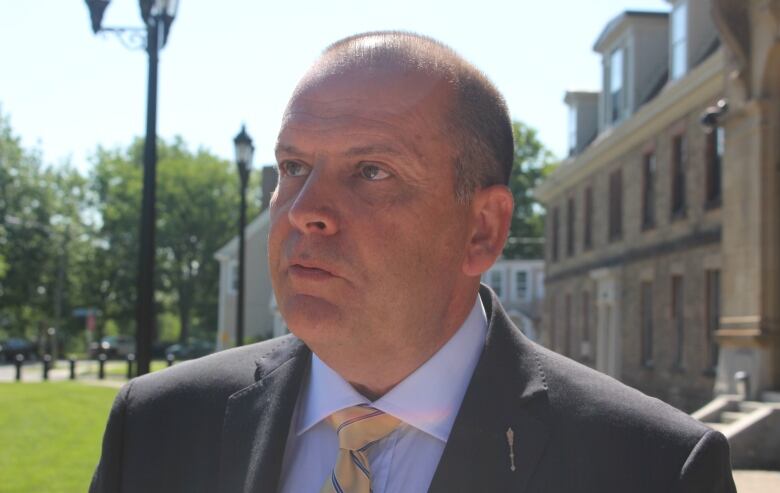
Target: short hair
478, 116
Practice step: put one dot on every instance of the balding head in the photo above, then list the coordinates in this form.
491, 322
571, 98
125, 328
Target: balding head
477, 121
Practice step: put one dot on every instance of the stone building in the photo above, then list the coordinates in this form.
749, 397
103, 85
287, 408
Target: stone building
663, 224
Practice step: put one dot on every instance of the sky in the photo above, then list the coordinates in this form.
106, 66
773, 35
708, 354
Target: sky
230, 62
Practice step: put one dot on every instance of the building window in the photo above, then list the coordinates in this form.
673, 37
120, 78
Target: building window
715, 148
713, 316
572, 130
233, 277
678, 176
616, 78
678, 322
646, 323
570, 216
555, 228
521, 285
679, 40
615, 205
588, 226
648, 191
497, 282
585, 345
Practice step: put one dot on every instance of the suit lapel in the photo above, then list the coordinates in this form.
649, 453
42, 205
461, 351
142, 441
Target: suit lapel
506, 391
257, 421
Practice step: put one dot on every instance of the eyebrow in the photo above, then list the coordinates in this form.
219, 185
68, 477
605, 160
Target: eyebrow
372, 149
288, 149
367, 150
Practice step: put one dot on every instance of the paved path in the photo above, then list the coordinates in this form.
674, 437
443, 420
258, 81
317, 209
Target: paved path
86, 372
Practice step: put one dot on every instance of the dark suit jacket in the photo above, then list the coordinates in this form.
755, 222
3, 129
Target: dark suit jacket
219, 424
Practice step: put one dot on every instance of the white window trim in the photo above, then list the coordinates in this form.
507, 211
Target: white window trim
515, 287
682, 4
232, 277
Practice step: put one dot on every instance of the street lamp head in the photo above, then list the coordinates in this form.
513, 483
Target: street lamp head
96, 10
244, 151
164, 10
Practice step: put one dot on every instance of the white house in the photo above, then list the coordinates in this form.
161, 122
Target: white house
519, 285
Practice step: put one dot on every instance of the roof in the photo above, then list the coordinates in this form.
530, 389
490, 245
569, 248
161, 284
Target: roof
620, 21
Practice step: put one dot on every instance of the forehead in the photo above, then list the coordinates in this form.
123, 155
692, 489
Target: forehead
371, 104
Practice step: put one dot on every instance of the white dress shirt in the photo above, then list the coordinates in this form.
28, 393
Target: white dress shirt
426, 402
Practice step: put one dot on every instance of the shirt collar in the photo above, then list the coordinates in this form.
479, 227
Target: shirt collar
428, 399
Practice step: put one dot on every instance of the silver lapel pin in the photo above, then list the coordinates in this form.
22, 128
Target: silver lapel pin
510, 439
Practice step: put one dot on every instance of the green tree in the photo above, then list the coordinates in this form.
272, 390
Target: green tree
197, 212
40, 225
532, 162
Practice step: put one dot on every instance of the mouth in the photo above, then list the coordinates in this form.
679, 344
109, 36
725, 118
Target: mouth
310, 271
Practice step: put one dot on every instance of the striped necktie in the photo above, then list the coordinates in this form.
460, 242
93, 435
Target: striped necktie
358, 428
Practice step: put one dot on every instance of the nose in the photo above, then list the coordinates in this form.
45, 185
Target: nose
313, 211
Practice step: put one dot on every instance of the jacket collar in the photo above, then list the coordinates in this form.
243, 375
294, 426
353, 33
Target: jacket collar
257, 420
507, 390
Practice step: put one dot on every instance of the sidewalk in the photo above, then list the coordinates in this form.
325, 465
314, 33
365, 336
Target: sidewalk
86, 373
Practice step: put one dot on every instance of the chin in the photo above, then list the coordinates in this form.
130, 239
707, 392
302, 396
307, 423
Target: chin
310, 318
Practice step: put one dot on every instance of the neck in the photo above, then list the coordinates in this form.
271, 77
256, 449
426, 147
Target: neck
375, 371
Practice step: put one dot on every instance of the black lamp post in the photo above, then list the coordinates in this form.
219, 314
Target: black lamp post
244, 152
158, 16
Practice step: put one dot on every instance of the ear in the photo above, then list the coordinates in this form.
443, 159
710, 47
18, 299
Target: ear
491, 214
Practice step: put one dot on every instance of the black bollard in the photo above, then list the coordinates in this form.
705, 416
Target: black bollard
72, 368
130, 360
18, 362
102, 366
46, 366
170, 357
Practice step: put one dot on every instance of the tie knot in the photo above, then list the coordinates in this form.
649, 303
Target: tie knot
358, 427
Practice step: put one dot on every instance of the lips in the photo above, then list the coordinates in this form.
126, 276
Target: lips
310, 271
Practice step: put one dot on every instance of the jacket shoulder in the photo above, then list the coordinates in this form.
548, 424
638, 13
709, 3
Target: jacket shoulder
216, 376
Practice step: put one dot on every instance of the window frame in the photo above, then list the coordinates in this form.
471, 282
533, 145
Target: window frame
615, 230
714, 149
712, 312
678, 45
516, 285
587, 240
571, 214
678, 175
616, 112
649, 178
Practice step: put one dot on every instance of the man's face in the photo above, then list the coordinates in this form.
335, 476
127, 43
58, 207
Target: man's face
367, 241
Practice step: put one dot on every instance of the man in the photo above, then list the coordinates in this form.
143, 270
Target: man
403, 374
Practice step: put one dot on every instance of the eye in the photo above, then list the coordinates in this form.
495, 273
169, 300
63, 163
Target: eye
372, 172
294, 168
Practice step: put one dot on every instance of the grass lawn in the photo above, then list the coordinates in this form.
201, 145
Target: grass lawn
51, 435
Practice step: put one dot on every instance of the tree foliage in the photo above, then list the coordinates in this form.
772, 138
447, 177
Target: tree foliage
69, 240
197, 211
532, 162
40, 227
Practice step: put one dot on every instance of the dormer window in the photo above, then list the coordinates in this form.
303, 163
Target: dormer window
616, 79
572, 130
679, 40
